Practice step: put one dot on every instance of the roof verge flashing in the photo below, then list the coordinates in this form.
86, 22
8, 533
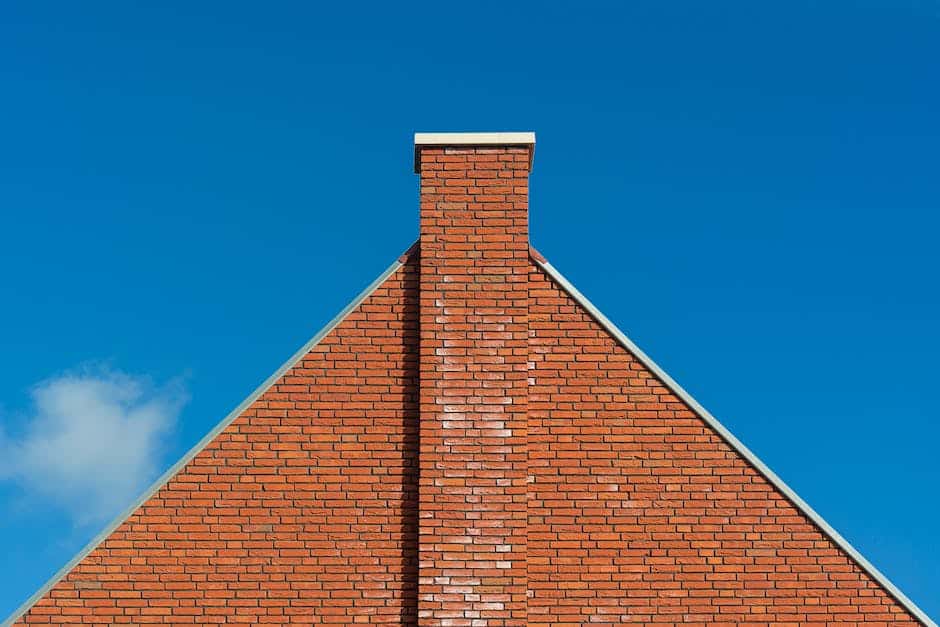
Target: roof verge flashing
736, 444
204, 442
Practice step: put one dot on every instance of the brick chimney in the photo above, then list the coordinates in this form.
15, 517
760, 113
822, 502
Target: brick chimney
474, 243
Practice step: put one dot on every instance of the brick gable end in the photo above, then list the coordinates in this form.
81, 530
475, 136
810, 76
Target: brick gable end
305, 509
471, 443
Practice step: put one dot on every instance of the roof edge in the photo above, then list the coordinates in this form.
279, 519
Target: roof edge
736, 444
205, 441
605, 322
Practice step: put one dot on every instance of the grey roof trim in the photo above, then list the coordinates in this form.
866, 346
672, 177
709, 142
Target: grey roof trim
178, 466
733, 441
604, 322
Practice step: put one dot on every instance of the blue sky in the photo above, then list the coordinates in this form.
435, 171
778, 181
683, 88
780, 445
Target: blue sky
187, 193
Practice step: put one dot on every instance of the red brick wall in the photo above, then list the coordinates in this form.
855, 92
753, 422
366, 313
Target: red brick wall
468, 447
639, 512
303, 511
474, 328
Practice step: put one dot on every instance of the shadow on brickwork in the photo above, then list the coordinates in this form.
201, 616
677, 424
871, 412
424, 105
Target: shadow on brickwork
409, 606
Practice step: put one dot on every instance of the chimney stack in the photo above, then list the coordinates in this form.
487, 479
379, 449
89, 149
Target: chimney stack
474, 265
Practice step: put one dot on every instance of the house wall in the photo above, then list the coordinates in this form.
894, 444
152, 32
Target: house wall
303, 511
468, 447
639, 512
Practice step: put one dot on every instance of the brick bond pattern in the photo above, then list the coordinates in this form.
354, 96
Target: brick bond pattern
384, 480
304, 511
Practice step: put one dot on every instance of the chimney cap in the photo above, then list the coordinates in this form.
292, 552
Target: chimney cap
525, 138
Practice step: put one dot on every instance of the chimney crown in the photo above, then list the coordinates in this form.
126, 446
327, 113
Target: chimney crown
524, 138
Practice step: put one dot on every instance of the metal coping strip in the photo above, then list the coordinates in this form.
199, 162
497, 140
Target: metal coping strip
729, 437
609, 326
203, 443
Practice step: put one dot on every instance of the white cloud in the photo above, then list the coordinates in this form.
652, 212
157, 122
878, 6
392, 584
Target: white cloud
92, 442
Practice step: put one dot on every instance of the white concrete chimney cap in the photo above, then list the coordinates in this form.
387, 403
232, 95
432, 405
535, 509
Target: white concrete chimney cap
524, 138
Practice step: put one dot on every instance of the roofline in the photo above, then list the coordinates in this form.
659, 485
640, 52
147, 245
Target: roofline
204, 442
611, 328
729, 437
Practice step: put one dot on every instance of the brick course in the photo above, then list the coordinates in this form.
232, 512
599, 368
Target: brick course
468, 447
